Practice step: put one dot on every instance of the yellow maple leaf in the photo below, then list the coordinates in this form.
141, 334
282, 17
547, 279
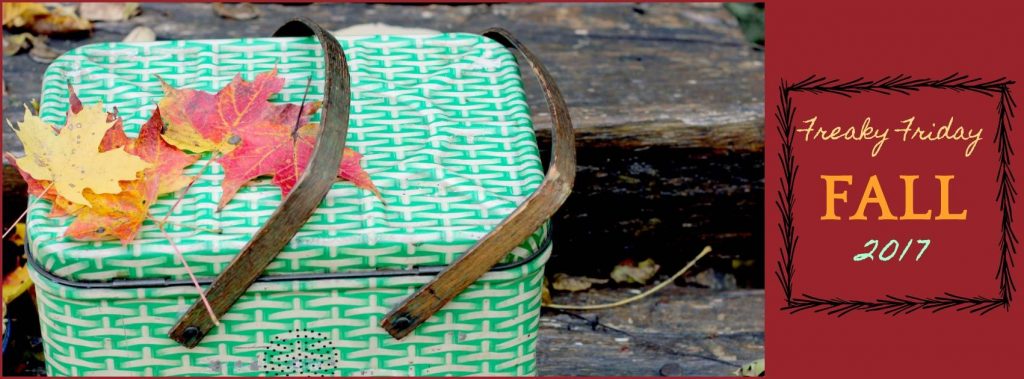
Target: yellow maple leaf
71, 158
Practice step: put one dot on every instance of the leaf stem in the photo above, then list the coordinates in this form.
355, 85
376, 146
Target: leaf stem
188, 187
25, 213
302, 106
191, 275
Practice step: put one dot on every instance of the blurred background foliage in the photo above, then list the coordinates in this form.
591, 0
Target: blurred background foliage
751, 19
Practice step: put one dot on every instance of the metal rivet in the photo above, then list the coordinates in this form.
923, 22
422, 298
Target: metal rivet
190, 334
402, 322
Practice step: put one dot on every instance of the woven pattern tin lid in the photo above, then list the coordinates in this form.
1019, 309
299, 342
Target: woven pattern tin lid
441, 120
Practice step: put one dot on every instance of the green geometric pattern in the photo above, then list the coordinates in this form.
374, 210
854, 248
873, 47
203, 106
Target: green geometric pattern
446, 136
441, 120
314, 327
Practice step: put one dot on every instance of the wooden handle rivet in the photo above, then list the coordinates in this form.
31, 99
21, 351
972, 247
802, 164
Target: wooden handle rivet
529, 216
190, 334
296, 208
402, 322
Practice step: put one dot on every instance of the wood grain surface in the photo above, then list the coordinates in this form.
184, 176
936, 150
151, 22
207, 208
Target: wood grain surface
675, 332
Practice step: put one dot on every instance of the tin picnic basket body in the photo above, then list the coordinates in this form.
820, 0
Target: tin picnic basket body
442, 276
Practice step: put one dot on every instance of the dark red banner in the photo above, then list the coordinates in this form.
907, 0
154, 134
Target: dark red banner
893, 215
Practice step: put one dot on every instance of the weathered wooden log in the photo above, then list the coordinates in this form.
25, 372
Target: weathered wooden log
703, 332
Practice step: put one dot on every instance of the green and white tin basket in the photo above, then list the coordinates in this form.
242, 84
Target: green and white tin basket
442, 279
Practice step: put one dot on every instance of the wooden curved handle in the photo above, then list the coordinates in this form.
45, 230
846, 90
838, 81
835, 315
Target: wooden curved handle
523, 221
296, 208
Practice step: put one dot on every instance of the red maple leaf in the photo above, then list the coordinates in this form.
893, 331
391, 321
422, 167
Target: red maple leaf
169, 163
255, 136
200, 121
276, 148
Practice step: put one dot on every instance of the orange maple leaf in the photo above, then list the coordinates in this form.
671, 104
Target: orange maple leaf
121, 215
111, 215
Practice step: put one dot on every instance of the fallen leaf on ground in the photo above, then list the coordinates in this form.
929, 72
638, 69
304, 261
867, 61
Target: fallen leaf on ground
108, 11
140, 34
71, 159
16, 283
565, 282
37, 48
41, 52
241, 11
18, 238
545, 293
14, 44
131, 10
626, 272
714, 280
755, 368
738, 263
41, 20
17, 15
